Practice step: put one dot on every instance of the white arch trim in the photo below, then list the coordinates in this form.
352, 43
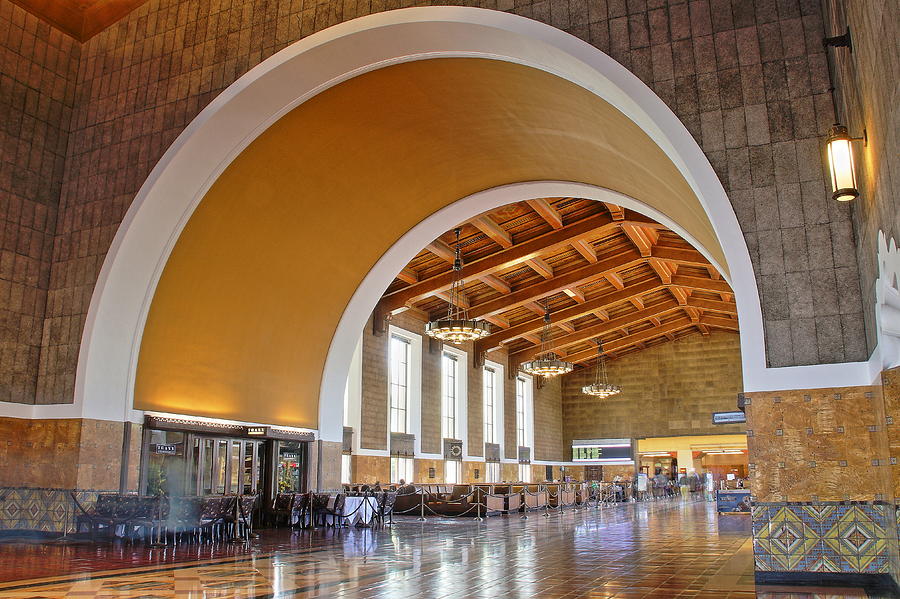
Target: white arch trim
112, 334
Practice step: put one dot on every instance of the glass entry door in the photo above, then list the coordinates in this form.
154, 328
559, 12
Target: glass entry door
290, 457
227, 466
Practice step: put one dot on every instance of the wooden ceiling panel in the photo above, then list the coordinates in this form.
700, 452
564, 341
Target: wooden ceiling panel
605, 273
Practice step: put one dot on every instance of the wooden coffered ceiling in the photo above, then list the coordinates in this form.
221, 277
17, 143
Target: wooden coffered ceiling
82, 19
606, 273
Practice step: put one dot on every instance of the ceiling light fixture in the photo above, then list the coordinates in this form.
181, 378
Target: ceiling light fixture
601, 386
547, 364
457, 327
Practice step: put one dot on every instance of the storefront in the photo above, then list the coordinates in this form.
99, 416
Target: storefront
183, 456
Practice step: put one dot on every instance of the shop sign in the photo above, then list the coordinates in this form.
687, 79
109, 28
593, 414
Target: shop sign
733, 502
257, 431
163, 449
290, 456
728, 417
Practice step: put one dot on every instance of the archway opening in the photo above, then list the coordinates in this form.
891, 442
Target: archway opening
251, 296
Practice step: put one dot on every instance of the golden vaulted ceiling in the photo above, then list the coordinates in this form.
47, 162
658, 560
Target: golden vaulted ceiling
250, 298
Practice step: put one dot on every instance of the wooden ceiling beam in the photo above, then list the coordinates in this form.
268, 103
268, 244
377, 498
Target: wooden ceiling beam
566, 326
615, 211
633, 339
598, 305
447, 253
540, 267
663, 269
687, 255
671, 327
535, 307
566, 314
496, 283
532, 338
592, 226
680, 294
547, 212
637, 302
495, 232
442, 250
615, 280
586, 249
643, 239
575, 293
713, 305
579, 276
597, 330
701, 283
491, 264
498, 321
462, 302
719, 322
408, 275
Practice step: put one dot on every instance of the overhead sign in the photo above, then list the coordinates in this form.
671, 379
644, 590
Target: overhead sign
594, 450
728, 417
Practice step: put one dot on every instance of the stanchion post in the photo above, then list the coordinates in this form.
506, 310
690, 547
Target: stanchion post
235, 537
158, 542
478, 517
422, 506
546, 502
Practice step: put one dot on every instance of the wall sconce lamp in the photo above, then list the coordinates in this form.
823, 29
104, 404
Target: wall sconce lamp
841, 164
838, 147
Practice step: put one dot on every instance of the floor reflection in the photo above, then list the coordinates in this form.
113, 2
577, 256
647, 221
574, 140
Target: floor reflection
664, 549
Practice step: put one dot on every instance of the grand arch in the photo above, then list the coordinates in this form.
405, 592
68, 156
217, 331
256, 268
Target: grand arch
217, 156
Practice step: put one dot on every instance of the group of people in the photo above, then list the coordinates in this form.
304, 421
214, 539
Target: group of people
624, 488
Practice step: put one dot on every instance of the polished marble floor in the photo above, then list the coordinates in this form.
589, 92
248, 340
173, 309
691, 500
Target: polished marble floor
655, 550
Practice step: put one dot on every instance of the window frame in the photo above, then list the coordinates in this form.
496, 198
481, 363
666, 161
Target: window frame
394, 411
456, 467
404, 468
489, 408
450, 395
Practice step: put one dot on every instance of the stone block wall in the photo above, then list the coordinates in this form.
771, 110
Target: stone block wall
869, 99
38, 68
548, 442
747, 79
668, 390
548, 422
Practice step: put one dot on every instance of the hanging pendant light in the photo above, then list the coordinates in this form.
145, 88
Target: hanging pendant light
457, 327
547, 364
601, 386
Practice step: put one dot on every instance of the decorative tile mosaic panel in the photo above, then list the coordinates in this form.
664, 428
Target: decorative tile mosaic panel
857, 537
41, 510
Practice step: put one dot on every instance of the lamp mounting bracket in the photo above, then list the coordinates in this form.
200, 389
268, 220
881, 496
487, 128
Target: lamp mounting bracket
839, 41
